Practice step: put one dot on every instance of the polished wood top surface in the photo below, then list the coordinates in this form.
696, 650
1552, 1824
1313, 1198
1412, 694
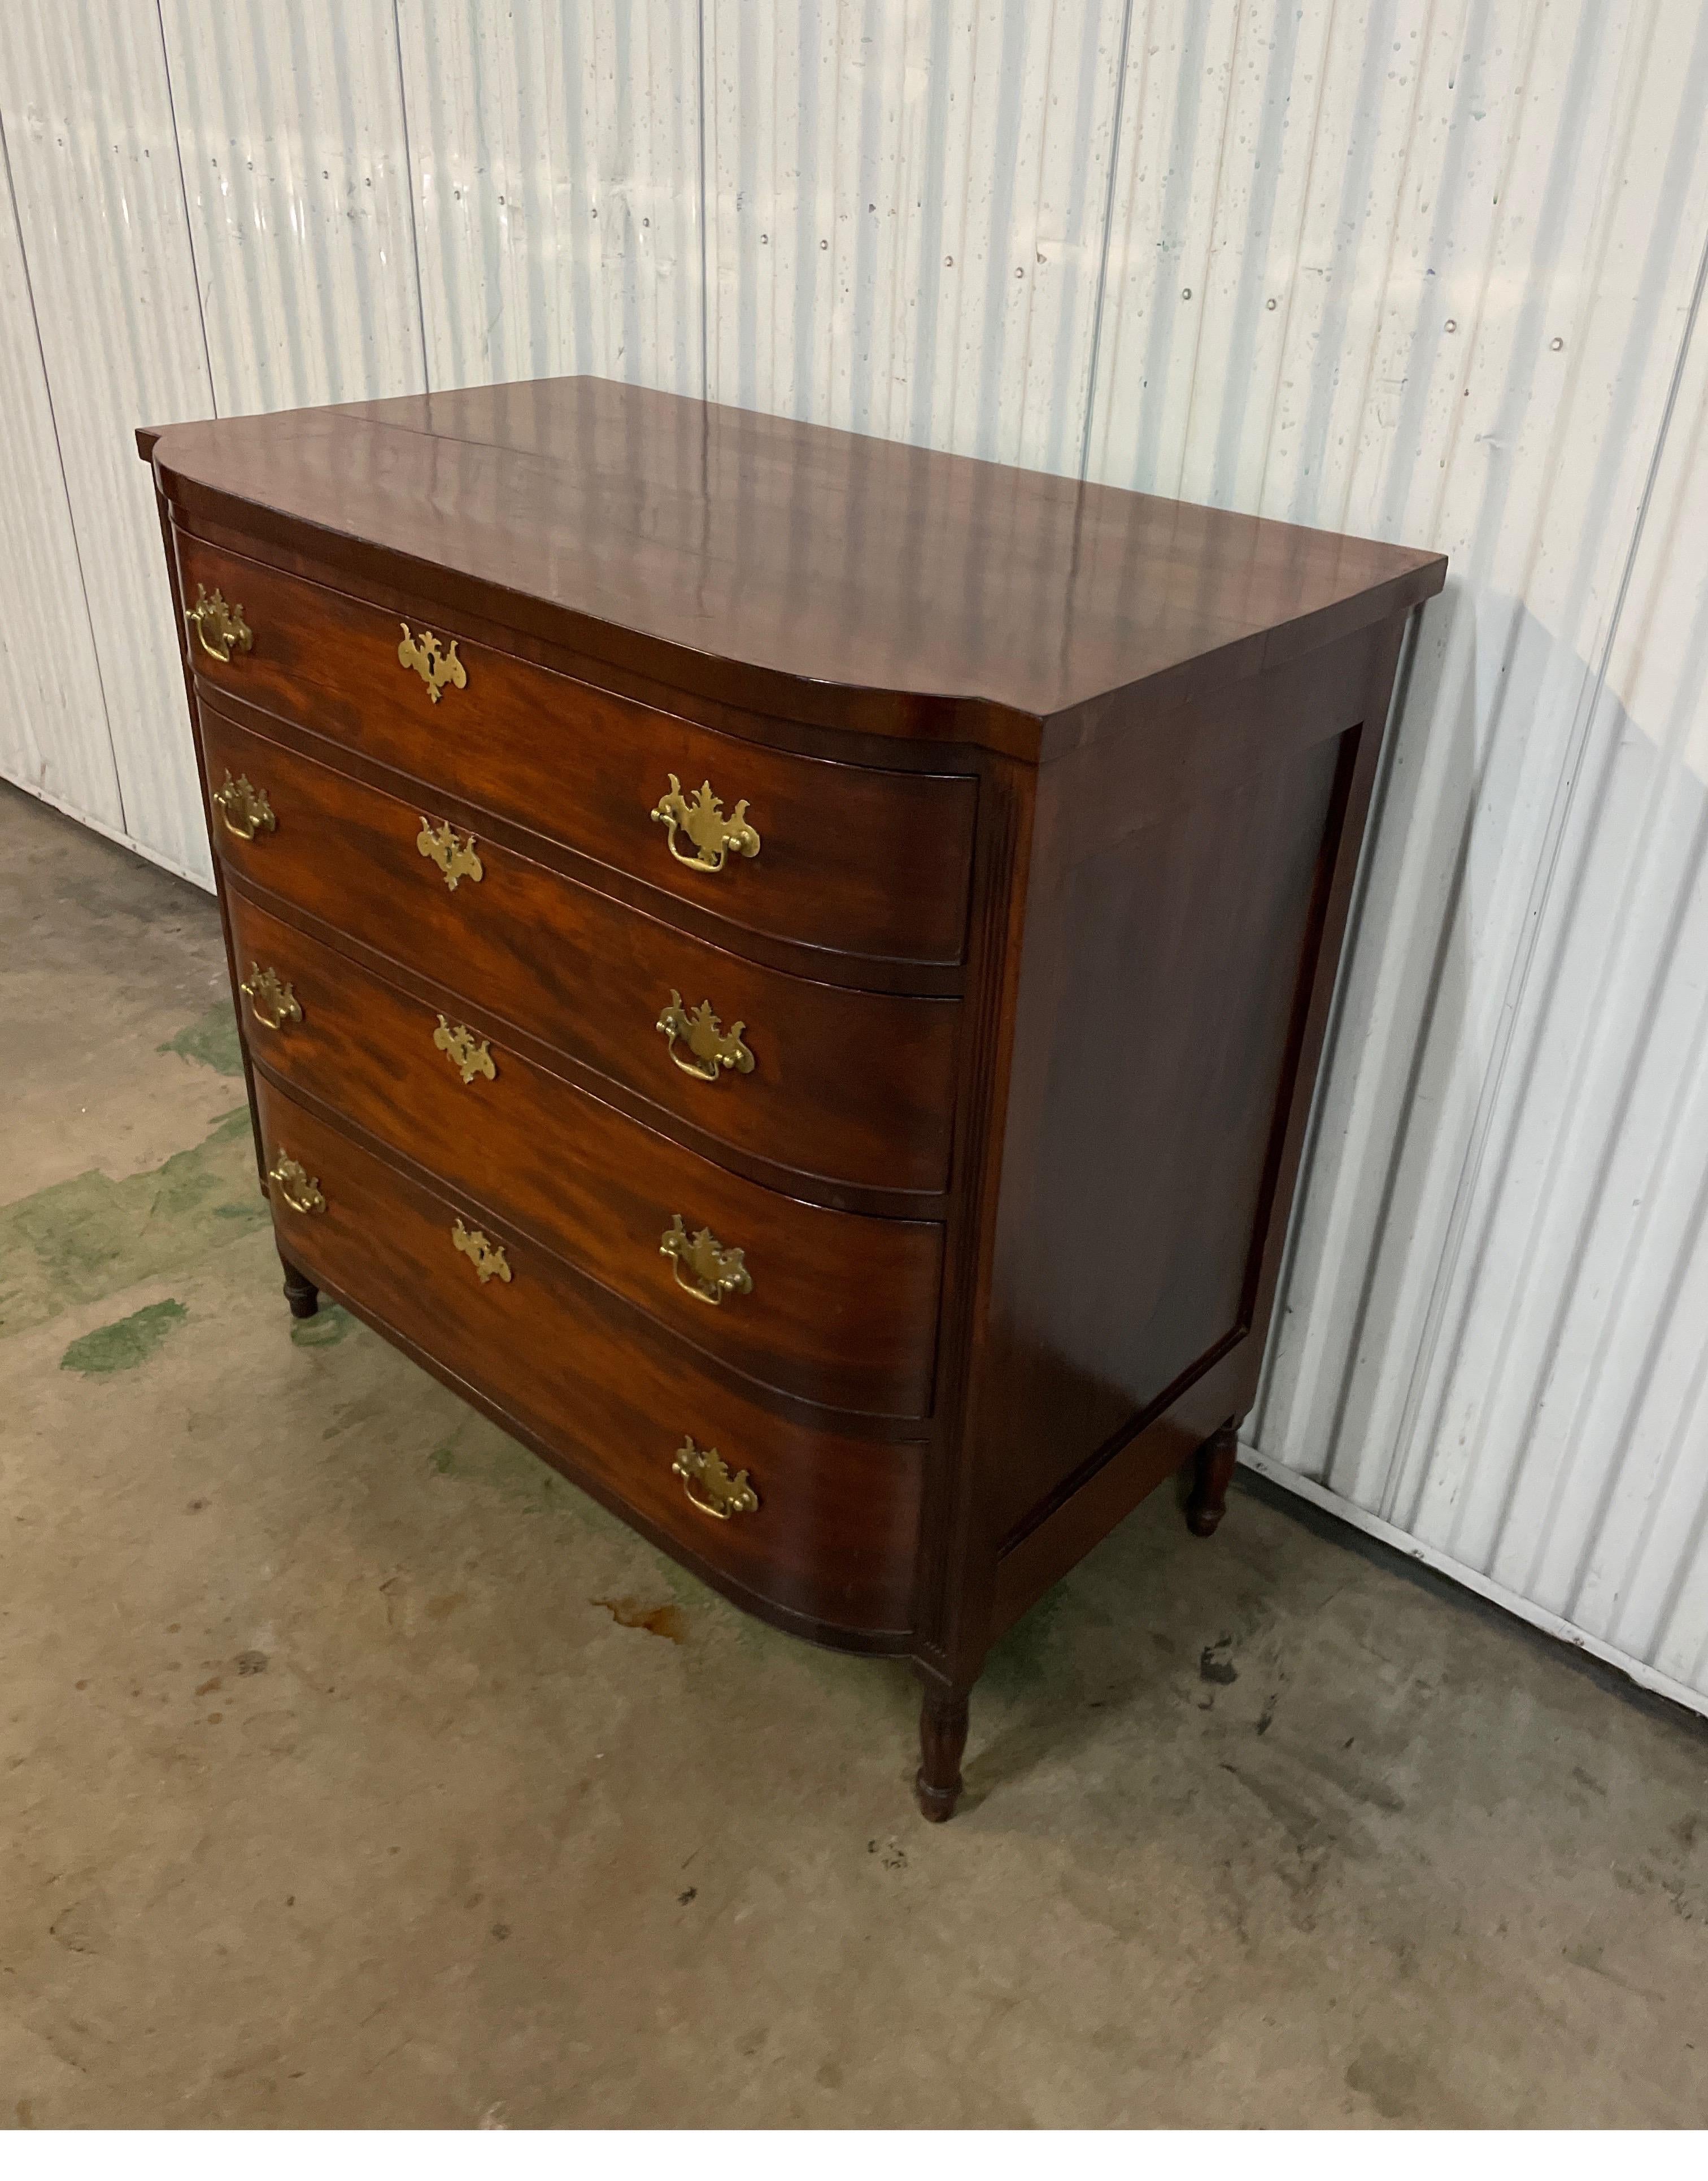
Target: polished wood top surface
785, 566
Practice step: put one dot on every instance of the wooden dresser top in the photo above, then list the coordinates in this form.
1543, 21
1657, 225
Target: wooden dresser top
784, 565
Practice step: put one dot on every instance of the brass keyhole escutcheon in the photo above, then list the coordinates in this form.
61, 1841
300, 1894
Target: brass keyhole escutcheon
271, 1000
295, 1185
487, 1257
470, 1056
454, 853
699, 818
439, 668
220, 629
708, 1048
707, 1479
244, 809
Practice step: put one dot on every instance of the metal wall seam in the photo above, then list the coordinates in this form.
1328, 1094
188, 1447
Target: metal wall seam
94, 166
557, 157
54, 736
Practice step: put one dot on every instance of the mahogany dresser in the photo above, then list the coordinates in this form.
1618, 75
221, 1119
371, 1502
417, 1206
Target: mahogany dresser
787, 969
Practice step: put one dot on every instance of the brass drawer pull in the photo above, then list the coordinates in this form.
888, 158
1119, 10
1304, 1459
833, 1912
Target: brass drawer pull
701, 817
294, 1186
218, 627
486, 1255
703, 1267
435, 668
244, 810
271, 1000
711, 1047
456, 857
708, 1483
470, 1056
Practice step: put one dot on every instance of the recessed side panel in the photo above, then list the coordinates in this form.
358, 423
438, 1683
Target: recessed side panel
1168, 976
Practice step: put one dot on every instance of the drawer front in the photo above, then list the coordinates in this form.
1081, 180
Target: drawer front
827, 1305
856, 1087
833, 1533
847, 857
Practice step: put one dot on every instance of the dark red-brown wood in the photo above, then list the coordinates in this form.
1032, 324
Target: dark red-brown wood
851, 1086
852, 859
842, 1310
806, 572
1031, 1090
1213, 1468
833, 1537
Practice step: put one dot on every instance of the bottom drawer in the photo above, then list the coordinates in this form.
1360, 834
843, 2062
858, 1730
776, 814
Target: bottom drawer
823, 1527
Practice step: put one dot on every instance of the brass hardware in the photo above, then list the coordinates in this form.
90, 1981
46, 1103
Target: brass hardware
700, 817
710, 1046
457, 858
470, 1056
487, 1257
704, 1269
710, 1485
293, 1185
435, 668
218, 627
244, 809
271, 1000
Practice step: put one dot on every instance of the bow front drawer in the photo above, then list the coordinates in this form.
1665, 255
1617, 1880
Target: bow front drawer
851, 1087
812, 1523
830, 1307
842, 857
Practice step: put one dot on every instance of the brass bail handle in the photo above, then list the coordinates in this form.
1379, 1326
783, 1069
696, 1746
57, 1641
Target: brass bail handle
699, 818
703, 1267
295, 1185
710, 1484
244, 809
220, 629
699, 1044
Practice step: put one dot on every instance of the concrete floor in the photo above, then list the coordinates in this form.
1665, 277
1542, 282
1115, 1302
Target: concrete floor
358, 1771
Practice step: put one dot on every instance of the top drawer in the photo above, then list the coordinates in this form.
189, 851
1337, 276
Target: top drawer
837, 856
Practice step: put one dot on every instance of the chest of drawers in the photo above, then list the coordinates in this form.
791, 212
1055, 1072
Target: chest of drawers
789, 970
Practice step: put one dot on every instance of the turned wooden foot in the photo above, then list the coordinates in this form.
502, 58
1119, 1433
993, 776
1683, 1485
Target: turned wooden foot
942, 1737
299, 1291
1212, 1474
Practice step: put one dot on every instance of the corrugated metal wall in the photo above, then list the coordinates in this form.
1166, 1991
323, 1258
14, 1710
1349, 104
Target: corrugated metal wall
1430, 270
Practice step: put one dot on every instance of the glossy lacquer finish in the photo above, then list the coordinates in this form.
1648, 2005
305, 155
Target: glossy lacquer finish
850, 859
1043, 804
837, 1309
832, 1536
809, 573
851, 1086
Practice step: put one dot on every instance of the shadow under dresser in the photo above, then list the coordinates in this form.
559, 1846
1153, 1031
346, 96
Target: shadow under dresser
788, 969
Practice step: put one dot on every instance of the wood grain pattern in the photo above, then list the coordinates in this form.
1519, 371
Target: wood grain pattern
852, 1085
843, 1309
798, 570
833, 1535
1014, 1165
852, 860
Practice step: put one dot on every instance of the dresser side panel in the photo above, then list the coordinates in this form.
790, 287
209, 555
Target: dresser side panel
1188, 897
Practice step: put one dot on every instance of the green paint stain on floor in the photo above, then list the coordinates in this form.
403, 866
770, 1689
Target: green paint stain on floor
122, 1346
93, 1236
325, 1330
211, 1039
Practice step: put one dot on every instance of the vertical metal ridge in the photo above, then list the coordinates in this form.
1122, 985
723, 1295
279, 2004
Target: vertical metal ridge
1541, 888
87, 632
703, 213
184, 193
1108, 231
426, 376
